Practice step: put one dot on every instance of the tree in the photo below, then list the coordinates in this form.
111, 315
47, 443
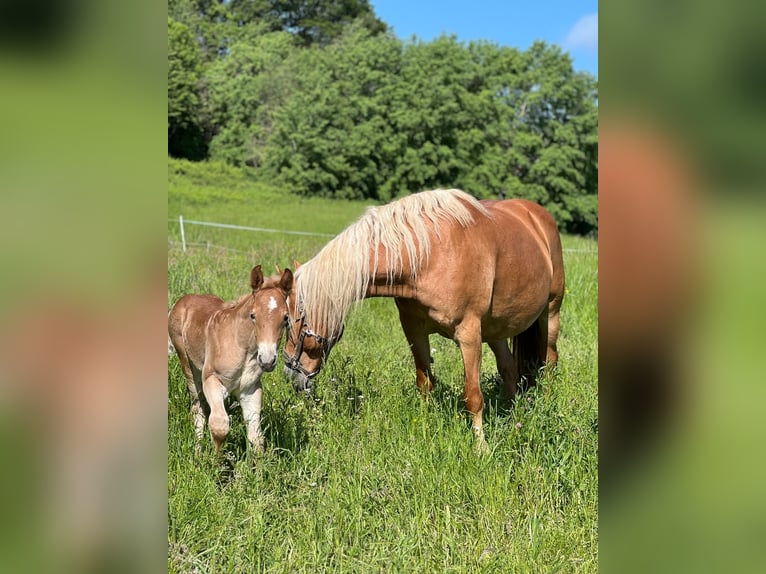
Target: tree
331, 138
318, 95
551, 137
322, 21
185, 133
245, 89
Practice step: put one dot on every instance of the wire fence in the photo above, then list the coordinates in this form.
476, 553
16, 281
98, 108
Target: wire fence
208, 245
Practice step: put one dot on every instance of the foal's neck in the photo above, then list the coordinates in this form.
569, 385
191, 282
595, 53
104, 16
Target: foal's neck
242, 324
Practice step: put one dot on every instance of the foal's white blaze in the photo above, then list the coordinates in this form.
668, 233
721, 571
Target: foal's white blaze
272, 304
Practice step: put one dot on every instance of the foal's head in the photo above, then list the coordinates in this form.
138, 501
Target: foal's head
269, 313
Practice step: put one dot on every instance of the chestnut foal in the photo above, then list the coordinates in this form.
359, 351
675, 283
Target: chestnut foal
225, 348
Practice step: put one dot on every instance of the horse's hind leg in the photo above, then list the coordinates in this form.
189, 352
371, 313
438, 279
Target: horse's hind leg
529, 350
504, 361
417, 337
552, 354
554, 308
556, 298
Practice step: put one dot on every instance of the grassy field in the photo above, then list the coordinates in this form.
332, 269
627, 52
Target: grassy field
364, 476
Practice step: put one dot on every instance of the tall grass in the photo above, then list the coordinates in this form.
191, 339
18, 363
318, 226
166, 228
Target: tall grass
363, 475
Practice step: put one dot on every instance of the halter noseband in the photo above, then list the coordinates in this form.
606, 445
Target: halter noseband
294, 362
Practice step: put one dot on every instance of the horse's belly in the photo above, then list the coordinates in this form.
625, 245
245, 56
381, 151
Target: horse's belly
498, 330
501, 319
510, 322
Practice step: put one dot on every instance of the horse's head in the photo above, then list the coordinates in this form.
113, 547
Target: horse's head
269, 313
305, 348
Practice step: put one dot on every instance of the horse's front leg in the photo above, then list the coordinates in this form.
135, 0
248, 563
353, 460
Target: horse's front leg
417, 338
251, 400
468, 337
218, 422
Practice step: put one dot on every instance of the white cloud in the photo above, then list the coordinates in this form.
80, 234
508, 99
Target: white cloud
584, 34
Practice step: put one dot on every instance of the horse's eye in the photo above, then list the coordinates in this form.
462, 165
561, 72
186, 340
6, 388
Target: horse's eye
252, 316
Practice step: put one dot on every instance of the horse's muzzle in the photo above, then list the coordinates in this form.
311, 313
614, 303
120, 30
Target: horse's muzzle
300, 381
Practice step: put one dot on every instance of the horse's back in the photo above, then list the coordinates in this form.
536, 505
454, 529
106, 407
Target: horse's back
527, 260
530, 214
540, 224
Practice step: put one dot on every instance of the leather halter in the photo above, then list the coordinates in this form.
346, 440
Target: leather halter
294, 362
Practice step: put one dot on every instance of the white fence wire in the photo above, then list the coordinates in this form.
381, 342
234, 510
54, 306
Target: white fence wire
184, 244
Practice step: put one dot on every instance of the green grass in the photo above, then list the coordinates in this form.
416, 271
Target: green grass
364, 476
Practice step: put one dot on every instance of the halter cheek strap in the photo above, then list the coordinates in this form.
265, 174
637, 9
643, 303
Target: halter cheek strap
294, 362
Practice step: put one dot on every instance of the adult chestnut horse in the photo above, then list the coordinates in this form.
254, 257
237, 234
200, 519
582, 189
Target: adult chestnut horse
224, 348
469, 270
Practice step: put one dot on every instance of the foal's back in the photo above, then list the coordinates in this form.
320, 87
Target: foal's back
187, 325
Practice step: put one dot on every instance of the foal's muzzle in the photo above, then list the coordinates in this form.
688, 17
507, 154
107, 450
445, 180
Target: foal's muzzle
268, 365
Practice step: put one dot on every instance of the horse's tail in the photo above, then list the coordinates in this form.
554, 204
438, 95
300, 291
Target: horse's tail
529, 351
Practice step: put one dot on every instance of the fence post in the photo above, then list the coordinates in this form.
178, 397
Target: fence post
183, 235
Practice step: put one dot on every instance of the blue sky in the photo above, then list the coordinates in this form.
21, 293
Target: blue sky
572, 24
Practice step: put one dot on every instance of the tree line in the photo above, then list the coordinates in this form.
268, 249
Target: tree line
321, 97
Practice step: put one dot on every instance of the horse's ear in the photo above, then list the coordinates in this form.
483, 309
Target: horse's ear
276, 266
296, 264
256, 278
286, 281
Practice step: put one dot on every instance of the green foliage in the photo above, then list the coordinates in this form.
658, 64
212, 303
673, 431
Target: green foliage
554, 140
322, 21
245, 89
432, 107
331, 138
185, 136
364, 476
319, 98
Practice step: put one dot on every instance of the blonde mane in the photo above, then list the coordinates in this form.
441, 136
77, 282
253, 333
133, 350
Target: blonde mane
338, 276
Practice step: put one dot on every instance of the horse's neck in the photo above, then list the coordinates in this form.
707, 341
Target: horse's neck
384, 284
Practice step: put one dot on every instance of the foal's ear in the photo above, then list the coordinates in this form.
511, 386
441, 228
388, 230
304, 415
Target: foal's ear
296, 264
286, 281
256, 278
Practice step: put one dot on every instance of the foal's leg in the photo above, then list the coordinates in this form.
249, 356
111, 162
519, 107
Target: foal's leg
194, 384
219, 419
418, 340
468, 337
504, 366
199, 409
250, 399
